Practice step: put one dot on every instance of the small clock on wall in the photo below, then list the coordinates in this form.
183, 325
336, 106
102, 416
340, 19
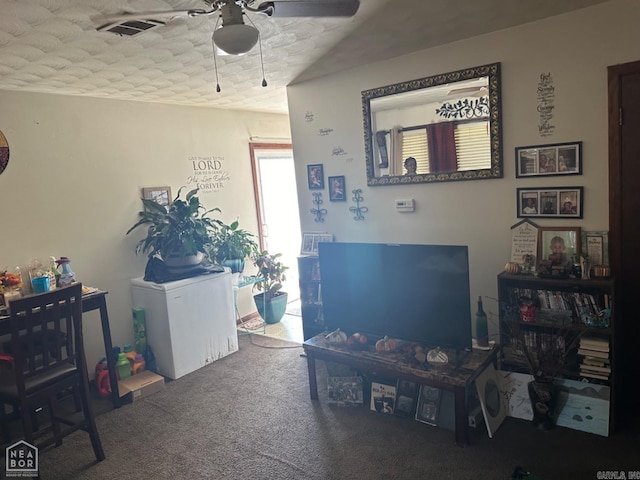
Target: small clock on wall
4, 152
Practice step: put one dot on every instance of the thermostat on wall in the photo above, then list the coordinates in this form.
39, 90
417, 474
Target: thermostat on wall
406, 205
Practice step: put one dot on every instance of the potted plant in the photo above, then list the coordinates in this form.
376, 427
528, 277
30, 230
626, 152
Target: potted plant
180, 233
272, 302
230, 246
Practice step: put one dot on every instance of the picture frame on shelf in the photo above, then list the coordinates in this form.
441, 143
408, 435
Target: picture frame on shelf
160, 195
549, 160
315, 176
596, 245
307, 244
337, 189
550, 202
406, 398
310, 241
565, 241
428, 407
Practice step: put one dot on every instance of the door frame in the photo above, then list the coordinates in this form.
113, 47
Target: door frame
256, 186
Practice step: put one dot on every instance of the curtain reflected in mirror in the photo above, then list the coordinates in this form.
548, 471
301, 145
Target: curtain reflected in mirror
440, 128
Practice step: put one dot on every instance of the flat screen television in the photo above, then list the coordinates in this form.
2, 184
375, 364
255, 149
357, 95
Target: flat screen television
413, 292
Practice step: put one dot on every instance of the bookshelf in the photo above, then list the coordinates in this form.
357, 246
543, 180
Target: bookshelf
310, 296
574, 312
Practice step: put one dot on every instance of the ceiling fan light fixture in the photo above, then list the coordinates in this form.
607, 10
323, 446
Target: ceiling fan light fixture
236, 39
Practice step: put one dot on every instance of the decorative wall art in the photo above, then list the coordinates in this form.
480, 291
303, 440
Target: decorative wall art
318, 212
358, 209
336, 189
550, 202
546, 93
315, 176
4, 152
549, 160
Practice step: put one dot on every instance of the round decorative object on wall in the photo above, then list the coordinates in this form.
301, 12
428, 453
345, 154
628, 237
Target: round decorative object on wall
4, 152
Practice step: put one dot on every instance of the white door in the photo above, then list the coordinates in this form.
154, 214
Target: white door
277, 206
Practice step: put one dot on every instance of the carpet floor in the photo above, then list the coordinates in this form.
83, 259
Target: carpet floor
248, 416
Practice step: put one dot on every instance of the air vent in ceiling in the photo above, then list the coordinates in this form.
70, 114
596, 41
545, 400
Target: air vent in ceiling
131, 27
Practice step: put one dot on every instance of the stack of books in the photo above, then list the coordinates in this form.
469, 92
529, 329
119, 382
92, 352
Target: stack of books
595, 361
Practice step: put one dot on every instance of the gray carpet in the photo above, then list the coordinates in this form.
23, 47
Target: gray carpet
249, 416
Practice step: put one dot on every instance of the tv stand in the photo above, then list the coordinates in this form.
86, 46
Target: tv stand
457, 377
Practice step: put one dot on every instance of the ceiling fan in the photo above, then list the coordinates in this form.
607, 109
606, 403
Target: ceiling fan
233, 37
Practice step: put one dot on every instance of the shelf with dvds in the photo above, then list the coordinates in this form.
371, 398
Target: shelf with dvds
310, 296
564, 327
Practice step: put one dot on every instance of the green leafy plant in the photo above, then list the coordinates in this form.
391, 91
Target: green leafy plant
272, 270
230, 243
181, 229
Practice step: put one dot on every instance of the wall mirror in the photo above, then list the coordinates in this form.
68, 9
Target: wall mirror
435, 129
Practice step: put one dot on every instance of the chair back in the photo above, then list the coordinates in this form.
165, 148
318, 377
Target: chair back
46, 333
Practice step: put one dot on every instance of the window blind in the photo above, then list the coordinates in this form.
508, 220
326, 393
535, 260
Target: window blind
473, 145
415, 144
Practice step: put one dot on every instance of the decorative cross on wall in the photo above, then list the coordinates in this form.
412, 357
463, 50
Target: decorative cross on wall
358, 210
318, 212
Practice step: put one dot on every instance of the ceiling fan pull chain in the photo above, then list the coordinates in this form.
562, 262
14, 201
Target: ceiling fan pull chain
264, 80
215, 63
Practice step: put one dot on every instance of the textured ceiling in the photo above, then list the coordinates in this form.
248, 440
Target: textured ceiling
53, 46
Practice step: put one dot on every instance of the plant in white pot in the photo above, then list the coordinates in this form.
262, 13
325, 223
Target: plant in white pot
231, 245
180, 233
272, 302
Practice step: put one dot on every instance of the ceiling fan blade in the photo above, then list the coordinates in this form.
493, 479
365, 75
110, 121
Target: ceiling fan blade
311, 8
106, 20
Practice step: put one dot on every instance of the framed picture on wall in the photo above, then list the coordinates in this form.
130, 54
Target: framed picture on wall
548, 160
337, 189
160, 195
551, 202
315, 176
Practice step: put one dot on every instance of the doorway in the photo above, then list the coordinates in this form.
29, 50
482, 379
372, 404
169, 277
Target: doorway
624, 226
276, 199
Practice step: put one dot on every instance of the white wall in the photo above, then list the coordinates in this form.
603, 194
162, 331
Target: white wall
575, 48
73, 184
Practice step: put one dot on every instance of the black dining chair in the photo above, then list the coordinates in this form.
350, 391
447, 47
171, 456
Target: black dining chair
46, 366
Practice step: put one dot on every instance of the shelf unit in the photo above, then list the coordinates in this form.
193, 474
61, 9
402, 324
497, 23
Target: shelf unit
310, 296
575, 312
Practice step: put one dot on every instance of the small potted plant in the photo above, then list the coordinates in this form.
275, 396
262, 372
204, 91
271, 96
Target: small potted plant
272, 301
230, 246
180, 233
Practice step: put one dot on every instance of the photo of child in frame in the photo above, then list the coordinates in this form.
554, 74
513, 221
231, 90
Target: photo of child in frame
315, 176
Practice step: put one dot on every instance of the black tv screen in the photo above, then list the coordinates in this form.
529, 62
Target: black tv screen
413, 292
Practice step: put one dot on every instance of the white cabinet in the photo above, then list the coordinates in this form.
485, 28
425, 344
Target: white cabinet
190, 322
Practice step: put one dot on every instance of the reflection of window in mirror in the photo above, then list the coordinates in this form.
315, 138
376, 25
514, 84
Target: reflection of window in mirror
457, 146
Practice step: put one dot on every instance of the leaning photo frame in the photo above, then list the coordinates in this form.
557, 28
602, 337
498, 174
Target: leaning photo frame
549, 160
550, 202
569, 238
596, 245
310, 241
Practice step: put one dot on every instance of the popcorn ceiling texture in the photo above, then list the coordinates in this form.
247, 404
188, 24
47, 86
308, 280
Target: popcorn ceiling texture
53, 46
